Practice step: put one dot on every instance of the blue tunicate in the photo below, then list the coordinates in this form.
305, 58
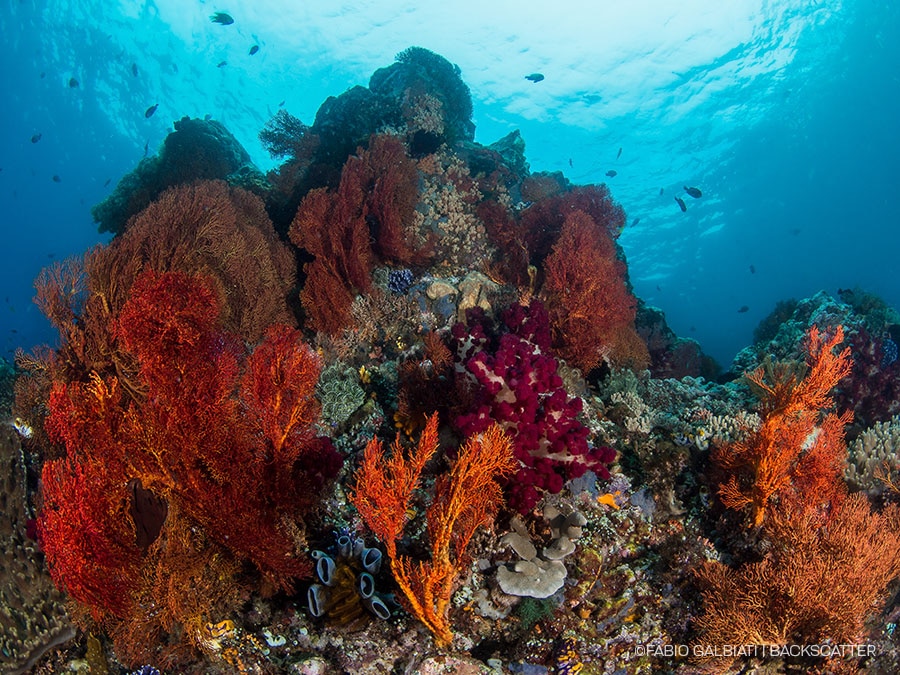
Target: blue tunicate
399, 281
315, 600
325, 570
371, 559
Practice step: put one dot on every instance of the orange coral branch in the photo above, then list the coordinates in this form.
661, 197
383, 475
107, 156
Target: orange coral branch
464, 500
795, 446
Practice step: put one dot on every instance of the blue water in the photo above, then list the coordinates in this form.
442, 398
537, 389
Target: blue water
783, 112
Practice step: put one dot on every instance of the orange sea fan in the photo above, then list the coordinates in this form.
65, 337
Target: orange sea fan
797, 450
464, 499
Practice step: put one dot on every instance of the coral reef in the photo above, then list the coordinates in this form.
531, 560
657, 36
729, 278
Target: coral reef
207, 448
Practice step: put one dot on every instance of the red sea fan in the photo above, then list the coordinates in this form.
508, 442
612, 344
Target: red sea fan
591, 309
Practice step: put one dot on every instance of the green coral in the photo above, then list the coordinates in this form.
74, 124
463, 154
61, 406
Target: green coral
340, 393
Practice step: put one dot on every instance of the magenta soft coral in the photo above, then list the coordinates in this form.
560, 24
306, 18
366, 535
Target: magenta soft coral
519, 388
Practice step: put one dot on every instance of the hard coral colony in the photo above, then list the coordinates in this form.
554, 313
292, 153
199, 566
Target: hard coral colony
456, 370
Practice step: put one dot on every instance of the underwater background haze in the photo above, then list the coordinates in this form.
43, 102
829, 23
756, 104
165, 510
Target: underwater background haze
784, 113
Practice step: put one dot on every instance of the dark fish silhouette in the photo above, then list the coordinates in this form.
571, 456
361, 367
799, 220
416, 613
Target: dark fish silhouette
281, 105
222, 18
222, 64
43, 75
152, 109
254, 49
612, 173
681, 204
619, 154
635, 222
134, 69
108, 180
570, 161
693, 192
36, 138
146, 148
73, 83
535, 77
661, 190
743, 309
57, 179
752, 269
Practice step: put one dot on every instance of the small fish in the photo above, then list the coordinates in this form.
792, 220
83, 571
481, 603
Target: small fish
535, 77
693, 192
619, 154
635, 222
51, 255
134, 69
36, 138
73, 83
254, 49
152, 109
661, 190
43, 75
658, 287
570, 161
57, 179
681, 204
221, 64
146, 148
207, 117
752, 269
281, 105
612, 173
222, 18
743, 309
108, 181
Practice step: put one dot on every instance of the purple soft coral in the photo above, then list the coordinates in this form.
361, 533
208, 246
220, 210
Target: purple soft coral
520, 389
